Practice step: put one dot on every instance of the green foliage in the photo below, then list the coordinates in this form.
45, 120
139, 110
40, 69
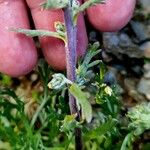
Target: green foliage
16, 130
60, 32
84, 69
14, 126
107, 97
76, 7
81, 98
58, 82
139, 117
5, 80
57, 5
51, 126
88, 4
101, 130
69, 125
127, 143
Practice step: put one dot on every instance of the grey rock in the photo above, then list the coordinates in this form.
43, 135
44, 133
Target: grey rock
118, 44
144, 87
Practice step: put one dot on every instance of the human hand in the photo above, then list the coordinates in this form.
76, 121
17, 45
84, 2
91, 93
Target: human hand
18, 52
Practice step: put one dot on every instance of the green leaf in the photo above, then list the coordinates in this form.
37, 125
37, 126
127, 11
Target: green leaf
102, 71
127, 143
41, 33
88, 4
81, 97
6, 80
84, 69
102, 129
58, 4
69, 123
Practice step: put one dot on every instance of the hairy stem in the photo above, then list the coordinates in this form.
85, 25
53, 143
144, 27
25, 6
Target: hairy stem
70, 54
71, 66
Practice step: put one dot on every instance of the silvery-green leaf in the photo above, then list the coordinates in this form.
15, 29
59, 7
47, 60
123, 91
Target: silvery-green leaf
88, 4
41, 33
58, 81
57, 4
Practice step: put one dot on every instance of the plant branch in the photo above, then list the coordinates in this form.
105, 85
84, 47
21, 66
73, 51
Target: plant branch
88, 4
41, 33
70, 47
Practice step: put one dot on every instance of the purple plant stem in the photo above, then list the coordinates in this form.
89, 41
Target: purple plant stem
71, 68
71, 54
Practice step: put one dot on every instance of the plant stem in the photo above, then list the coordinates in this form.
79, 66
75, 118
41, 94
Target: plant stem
71, 67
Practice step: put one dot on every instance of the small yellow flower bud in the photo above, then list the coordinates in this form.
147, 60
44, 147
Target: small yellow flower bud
108, 90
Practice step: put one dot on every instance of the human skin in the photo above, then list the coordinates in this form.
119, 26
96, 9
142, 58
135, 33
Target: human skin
53, 48
17, 51
18, 55
111, 16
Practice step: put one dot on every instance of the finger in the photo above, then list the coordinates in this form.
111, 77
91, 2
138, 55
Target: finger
18, 54
53, 49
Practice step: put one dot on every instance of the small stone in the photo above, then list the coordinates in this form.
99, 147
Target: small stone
92, 36
147, 75
146, 48
130, 86
144, 87
110, 78
147, 71
140, 30
106, 57
34, 77
147, 67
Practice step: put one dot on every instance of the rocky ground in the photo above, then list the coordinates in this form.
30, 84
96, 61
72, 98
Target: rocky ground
127, 54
